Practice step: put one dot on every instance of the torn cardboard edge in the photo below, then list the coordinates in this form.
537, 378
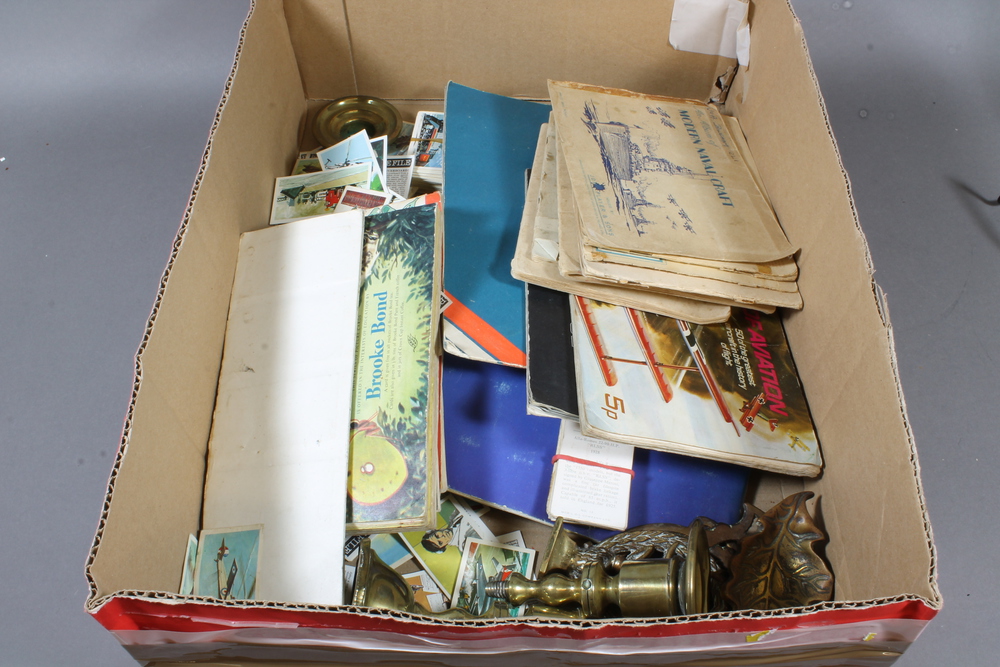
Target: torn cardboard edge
160, 291
882, 303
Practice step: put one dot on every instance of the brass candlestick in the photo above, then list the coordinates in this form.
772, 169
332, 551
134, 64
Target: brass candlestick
644, 588
379, 586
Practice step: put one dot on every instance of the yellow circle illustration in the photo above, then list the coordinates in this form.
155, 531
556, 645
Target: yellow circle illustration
378, 469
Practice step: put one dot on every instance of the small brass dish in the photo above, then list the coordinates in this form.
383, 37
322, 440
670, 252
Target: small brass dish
347, 116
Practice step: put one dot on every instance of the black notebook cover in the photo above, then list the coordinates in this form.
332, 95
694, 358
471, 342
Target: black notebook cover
551, 371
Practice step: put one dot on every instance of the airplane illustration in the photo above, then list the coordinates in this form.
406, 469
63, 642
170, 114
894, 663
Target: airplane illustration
656, 367
225, 579
797, 442
750, 410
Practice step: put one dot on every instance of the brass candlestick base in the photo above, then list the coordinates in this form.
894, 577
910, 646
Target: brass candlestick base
645, 588
348, 115
379, 586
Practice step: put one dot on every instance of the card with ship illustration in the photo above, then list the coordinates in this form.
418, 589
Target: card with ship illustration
727, 392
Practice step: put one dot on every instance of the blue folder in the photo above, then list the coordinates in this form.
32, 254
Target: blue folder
489, 144
498, 454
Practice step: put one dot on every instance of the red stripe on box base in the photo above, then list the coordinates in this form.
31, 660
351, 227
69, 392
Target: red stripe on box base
129, 613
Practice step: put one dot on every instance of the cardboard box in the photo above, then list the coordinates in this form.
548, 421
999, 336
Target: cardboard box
291, 57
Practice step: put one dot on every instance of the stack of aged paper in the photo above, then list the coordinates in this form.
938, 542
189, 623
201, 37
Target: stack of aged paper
651, 203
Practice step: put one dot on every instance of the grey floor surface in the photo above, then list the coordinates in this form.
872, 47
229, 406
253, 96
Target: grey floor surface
104, 112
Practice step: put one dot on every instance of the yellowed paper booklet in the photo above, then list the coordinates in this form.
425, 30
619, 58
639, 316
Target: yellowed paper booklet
661, 175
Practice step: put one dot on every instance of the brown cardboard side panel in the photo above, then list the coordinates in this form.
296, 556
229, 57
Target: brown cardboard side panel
321, 39
766, 490
155, 492
156, 502
257, 142
871, 501
409, 49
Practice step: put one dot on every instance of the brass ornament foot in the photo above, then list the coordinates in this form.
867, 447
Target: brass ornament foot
638, 588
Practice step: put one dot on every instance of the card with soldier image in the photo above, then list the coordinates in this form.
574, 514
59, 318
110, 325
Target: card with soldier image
483, 564
440, 549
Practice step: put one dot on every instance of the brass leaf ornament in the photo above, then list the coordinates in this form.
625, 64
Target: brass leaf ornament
778, 567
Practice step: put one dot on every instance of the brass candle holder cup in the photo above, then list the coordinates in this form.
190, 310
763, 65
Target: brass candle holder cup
379, 586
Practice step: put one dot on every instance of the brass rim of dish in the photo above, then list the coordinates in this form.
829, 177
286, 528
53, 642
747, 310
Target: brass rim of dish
347, 116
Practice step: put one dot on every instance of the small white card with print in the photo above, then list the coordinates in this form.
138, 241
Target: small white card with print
591, 480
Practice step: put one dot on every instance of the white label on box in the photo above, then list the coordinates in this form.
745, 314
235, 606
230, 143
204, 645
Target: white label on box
712, 27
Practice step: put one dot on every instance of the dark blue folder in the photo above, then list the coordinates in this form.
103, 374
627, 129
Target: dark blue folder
497, 453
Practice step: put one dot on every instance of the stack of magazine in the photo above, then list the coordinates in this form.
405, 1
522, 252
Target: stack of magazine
654, 197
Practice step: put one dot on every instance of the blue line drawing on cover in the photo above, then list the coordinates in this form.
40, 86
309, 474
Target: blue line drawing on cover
626, 164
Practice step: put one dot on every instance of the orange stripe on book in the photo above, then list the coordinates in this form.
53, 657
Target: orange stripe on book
597, 342
649, 354
486, 336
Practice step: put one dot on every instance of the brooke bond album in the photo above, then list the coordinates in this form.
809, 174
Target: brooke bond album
727, 391
394, 424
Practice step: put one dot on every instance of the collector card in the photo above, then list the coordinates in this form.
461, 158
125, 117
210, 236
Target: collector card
440, 550
484, 563
226, 566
